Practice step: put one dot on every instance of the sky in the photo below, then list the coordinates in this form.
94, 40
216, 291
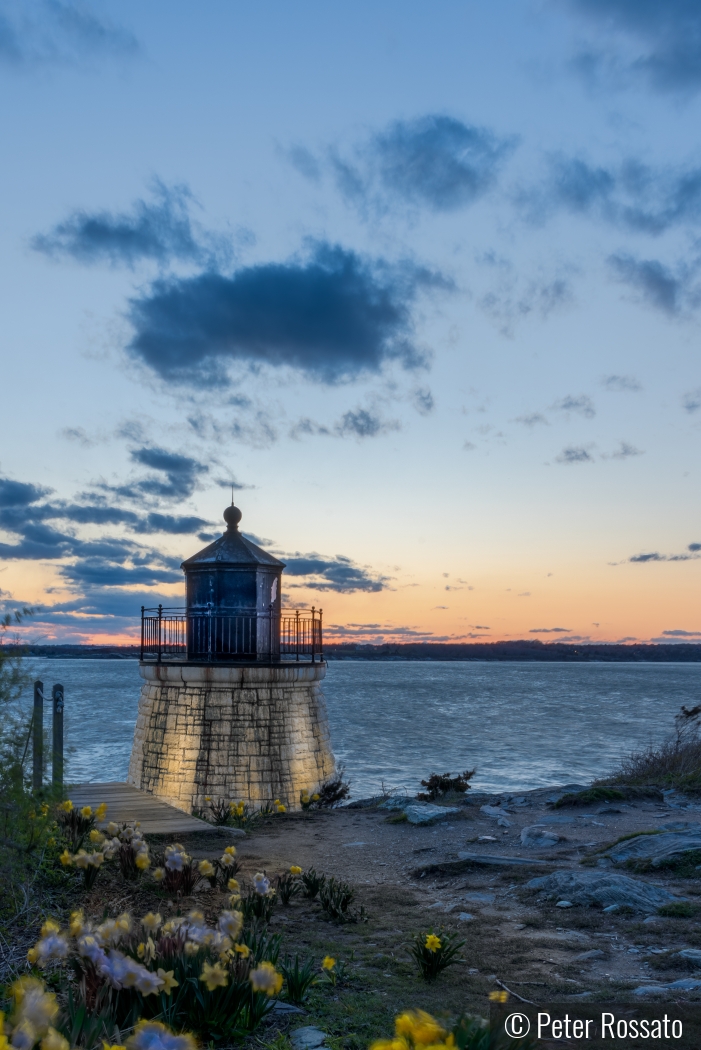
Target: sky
422, 282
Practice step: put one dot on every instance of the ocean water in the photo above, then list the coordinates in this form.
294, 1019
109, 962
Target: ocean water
520, 725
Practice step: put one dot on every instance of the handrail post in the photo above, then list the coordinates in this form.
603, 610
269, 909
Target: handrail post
297, 633
160, 618
313, 635
57, 750
142, 634
321, 636
38, 740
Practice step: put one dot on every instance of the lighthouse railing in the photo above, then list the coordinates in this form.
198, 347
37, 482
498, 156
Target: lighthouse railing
207, 636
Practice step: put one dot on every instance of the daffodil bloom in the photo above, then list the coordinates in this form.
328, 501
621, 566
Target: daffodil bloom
44, 809
114, 1046
53, 1040
315, 798
34, 1006
205, 868
230, 851
123, 922
50, 926
169, 982
304, 799
51, 841
191, 948
295, 870
328, 963
226, 860
432, 943
96, 837
233, 885
159, 874
242, 949
86, 812
151, 922
265, 978
261, 884
66, 806
112, 828
76, 923
281, 808
142, 860
208, 798
153, 1035
66, 858
32, 955
420, 1027
234, 900
214, 976
101, 811
498, 997
230, 923
148, 983
81, 859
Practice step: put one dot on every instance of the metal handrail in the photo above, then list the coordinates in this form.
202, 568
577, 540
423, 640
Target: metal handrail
207, 636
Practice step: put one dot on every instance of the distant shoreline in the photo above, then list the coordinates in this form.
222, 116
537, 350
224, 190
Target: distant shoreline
525, 650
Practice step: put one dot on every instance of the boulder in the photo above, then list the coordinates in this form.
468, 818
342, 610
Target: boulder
593, 953
493, 811
418, 812
603, 888
535, 837
668, 843
307, 1038
692, 955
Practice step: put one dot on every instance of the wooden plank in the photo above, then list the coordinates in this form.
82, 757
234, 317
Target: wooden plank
126, 803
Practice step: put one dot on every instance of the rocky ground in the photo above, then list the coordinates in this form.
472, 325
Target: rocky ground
470, 872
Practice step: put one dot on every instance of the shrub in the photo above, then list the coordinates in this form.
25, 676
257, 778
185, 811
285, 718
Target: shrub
434, 953
439, 784
311, 883
679, 910
331, 793
674, 763
336, 897
289, 885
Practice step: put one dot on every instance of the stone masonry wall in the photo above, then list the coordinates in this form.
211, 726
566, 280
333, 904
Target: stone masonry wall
251, 733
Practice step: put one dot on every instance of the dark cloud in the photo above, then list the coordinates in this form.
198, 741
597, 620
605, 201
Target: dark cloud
160, 229
508, 304
681, 634
36, 32
625, 451
332, 574
19, 493
304, 161
363, 423
423, 402
332, 316
691, 554
182, 475
619, 384
632, 196
692, 401
550, 630
575, 454
434, 162
531, 420
582, 405
656, 283
661, 41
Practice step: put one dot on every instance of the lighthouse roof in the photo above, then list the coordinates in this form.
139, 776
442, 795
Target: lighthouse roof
232, 549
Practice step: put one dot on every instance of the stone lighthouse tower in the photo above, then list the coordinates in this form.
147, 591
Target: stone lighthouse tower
231, 705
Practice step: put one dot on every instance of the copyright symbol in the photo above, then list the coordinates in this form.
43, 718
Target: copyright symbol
517, 1026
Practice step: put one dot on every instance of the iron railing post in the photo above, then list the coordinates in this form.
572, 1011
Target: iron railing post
321, 637
38, 741
313, 635
57, 729
160, 618
142, 634
297, 633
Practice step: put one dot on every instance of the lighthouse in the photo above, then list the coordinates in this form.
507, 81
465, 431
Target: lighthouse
231, 706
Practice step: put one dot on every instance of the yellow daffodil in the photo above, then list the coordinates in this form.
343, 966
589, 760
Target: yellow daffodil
328, 963
66, 858
44, 809
421, 1028
66, 806
51, 841
265, 978
281, 809
432, 943
159, 874
53, 1040
114, 1046
191, 948
498, 997
205, 868
50, 927
151, 922
230, 851
169, 982
233, 885
86, 812
76, 922
142, 860
214, 976
101, 811
208, 798
315, 798
242, 949
295, 870
32, 955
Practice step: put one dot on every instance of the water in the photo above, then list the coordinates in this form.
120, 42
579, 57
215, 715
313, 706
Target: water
522, 725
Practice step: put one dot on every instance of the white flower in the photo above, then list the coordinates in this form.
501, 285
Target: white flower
261, 884
230, 923
55, 946
149, 983
90, 947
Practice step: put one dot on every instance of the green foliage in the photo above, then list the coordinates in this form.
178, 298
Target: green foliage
679, 910
336, 897
311, 883
256, 905
434, 952
440, 784
288, 886
13, 673
298, 978
263, 945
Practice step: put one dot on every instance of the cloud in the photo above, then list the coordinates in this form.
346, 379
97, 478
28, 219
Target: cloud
160, 230
691, 554
182, 476
620, 384
575, 454
38, 32
625, 451
681, 634
422, 400
550, 630
304, 161
435, 162
338, 573
582, 405
362, 423
19, 493
532, 419
656, 283
661, 41
507, 304
632, 196
692, 401
332, 316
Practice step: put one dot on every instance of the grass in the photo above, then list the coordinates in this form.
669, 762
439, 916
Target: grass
675, 763
602, 792
679, 910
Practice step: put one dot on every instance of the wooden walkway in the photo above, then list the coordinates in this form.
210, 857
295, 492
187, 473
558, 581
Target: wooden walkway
125, 802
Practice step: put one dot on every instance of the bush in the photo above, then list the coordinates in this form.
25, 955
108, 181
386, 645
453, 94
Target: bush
331, 793
311, 883
434, 953
675, 763
441, 784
